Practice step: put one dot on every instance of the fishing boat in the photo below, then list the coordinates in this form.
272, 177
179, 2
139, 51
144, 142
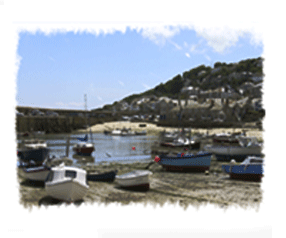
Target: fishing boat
250, 169
33, 150
185, 162
66, 183
101, 176
248, 146
135, 180
39, 173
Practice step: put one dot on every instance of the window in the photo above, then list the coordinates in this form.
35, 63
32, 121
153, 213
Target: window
50, 176
70, 174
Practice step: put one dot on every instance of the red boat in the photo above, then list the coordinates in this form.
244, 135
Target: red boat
83, 148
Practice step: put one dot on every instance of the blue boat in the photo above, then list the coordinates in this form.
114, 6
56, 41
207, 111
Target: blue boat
185, 162
251, 169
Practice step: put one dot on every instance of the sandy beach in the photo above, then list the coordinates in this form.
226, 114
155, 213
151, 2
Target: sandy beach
154, 129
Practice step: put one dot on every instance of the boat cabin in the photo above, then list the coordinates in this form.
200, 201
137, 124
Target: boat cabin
62, 173
34, 143
253, 160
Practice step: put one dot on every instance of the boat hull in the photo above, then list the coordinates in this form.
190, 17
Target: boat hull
69, 190
104, 177
84, 151
38, 155
239, 153
199, 162
244, 172
135, 182
35, 174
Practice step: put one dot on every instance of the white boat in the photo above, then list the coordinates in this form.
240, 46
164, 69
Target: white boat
116, 132
122, 132
35, 174
137, 179
66, 183
248, 146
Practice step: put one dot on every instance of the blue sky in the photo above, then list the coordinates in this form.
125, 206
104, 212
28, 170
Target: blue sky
57, 69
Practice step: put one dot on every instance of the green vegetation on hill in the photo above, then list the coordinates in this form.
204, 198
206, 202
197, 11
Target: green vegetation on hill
205, 77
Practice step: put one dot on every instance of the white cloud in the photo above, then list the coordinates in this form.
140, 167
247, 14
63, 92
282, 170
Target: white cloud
121, 83
51, 58
222, 38
188, 55
146, 86
176, 45
159, 34
207, 57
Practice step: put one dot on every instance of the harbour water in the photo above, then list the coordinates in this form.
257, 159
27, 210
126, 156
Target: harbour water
124, 149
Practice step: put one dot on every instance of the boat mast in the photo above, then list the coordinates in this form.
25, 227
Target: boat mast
85, 106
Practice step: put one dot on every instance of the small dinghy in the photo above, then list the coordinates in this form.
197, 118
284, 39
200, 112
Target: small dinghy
101, 176
135, 180
66, 183
39, 173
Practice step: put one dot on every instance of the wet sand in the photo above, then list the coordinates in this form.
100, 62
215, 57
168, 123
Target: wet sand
187, 189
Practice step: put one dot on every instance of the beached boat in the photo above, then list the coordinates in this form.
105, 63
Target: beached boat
185, 162
66, 183
136, 180
101, 176
35, 173
250, 169
248, 146
33, 150
182, 142
225, 138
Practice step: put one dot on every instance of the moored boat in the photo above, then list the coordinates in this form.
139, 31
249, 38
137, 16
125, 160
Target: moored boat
185, 162
135, 180
83, 148
250, 169
66, 183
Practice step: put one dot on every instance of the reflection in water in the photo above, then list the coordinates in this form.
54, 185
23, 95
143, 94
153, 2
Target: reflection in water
107, 148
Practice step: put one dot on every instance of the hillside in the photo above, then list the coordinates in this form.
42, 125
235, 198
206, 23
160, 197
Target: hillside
231, 75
